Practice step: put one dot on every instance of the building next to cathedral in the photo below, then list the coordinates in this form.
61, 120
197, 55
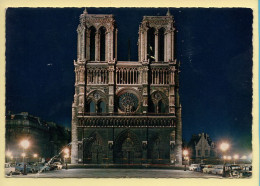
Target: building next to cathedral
46, 138
201, 147
126, 112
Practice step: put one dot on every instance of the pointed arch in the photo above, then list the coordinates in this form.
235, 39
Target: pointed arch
101, 107
102, 44
158, 103
151, 44
93, 149
92, 43
91, 106
161, 33
161, 107
127, 148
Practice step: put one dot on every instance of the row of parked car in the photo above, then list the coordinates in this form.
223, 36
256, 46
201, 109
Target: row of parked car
31, 167
231, 170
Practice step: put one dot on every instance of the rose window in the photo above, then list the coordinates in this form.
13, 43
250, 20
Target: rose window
128, 102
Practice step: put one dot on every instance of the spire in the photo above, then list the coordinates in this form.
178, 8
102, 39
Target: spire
85, 11
168, 12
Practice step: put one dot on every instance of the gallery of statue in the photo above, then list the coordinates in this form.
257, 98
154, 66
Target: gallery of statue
126, 112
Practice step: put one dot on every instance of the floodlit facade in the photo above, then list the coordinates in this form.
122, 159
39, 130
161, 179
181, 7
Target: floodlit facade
126, 112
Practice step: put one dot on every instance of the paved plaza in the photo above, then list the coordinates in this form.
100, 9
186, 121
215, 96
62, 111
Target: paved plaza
118, 173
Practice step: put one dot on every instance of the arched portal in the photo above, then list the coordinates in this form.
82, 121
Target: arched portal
156, 150
93, 149
127, 149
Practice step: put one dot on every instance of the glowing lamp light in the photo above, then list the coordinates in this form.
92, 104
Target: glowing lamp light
23, 154
224, 146
224, 157
35, 155
25, 144
185, 152
229, 157
236, 156
243, 157
8, 153
66, 156
66, 150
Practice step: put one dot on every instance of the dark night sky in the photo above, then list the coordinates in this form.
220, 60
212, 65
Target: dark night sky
213, 45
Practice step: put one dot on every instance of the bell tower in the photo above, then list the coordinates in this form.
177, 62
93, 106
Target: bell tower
156, 38
97, 37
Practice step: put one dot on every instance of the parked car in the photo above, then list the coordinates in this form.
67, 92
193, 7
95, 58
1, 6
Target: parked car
56, 166
218, 169
201, 167
41, 167
193, 167
208, 169
246, 171
9, 170
234, 170
20, 167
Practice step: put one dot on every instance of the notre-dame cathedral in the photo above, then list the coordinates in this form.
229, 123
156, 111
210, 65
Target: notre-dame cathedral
126, 112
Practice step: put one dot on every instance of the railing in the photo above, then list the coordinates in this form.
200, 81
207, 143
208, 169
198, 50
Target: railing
125, 114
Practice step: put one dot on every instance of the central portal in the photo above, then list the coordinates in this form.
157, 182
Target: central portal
127, 148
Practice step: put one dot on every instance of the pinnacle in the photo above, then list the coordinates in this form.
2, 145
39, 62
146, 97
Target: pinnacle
85, 11
168, 12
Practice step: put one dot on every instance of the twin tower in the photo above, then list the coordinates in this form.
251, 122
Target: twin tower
126, 112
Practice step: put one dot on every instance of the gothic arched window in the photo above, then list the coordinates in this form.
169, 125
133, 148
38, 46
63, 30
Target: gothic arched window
161, 107
91, 107
150, 44
92, 44
101, 107
102, 43
161, 44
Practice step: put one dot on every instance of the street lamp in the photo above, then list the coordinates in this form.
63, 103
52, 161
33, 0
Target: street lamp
236, 156
8, 155
224, 147
23, 155
25, 145
65, 160
185, 153
66, 151
35, 156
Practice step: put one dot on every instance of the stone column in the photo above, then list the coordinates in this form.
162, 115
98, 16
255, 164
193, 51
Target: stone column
115, 44
97, 46
145, 87
111, 45
78, 45
111, 82
74, 136
83, 45
145, 45
178, 147
156, 46
141, 45
87, 44
165, 46
172, 45
172, 89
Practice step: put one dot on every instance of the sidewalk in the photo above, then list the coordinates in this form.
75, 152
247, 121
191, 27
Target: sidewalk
126, 166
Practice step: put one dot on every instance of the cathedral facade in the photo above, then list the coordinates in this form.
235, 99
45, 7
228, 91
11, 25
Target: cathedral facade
126, 112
